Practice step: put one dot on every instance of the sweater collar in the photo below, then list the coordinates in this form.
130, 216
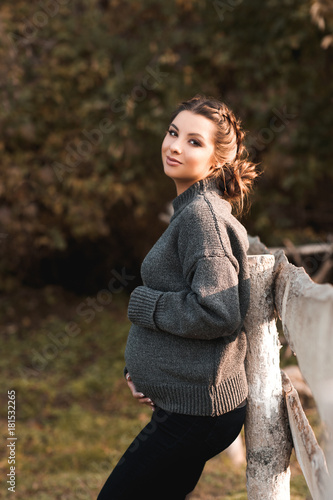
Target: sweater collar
200, 187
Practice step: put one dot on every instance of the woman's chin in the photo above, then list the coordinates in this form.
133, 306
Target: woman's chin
171, 171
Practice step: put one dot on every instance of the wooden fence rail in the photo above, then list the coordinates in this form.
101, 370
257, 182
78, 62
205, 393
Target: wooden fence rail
275, 420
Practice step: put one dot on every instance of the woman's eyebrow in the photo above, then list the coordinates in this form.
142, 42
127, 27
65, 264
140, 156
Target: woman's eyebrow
192, 133
196, 133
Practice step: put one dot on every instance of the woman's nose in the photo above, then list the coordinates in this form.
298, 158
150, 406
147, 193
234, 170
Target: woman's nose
175, 147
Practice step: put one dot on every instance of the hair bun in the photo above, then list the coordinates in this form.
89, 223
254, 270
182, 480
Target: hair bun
236, 181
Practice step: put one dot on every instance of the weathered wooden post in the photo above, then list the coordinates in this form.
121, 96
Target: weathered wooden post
267, 435
306, 312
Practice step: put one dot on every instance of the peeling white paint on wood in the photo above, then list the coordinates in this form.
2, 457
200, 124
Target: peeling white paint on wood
267, 435
307, 321
306, 311
309, 454
327, 395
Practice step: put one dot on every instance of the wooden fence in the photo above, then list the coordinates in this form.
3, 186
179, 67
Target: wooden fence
275, 419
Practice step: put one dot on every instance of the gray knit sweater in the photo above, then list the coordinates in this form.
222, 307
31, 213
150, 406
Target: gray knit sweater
186, 346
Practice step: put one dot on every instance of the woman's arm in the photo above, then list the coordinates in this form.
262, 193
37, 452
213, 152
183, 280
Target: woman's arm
209, 308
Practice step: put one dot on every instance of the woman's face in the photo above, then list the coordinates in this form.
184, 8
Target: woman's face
188, 149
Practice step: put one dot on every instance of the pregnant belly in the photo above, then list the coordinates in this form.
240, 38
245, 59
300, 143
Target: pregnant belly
161, 358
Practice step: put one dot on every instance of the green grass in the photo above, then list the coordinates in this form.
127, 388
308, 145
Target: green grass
75, 414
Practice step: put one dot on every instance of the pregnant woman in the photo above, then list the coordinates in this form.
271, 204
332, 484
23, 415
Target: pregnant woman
186, 346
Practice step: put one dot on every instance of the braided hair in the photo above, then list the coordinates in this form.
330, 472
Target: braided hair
233, 171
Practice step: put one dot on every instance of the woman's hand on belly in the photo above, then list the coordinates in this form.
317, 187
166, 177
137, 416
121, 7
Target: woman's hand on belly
138, 395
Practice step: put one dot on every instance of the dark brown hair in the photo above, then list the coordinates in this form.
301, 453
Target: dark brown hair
233, 171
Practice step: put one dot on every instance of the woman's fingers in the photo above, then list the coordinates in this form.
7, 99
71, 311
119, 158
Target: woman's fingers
133, 390
139, 395
146, 401
135, 393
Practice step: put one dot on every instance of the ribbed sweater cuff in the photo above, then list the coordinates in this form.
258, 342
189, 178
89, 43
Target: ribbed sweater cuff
141, 307
199, 399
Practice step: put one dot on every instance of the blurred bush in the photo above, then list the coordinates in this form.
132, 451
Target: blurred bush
87, 88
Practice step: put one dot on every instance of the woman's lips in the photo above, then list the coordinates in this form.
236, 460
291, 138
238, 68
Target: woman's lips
172, 161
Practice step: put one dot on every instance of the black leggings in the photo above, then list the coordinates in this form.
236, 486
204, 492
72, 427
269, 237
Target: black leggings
167, 457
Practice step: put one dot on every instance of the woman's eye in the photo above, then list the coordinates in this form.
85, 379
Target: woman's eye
173, 133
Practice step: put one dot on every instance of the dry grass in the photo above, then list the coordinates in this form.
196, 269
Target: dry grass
75, 417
